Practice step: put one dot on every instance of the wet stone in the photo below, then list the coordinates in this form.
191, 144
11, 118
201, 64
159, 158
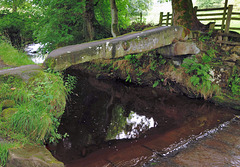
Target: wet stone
234, 128
32, 156
217, 145
228, 138
202, 156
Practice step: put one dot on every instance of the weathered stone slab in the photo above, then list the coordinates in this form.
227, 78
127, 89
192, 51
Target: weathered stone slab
23, 71
178, 49
32, 156
65, 57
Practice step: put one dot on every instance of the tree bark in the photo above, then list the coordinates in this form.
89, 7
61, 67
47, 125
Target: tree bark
89, 20
114, 14
184, 15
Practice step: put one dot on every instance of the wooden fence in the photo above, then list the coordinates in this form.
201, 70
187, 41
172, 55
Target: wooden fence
225, 15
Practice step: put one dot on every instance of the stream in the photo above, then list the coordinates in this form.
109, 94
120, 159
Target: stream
110, 123
113, 124
34, 53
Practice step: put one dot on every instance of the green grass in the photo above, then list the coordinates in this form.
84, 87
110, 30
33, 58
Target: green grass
4, 147
10, 56
40, 102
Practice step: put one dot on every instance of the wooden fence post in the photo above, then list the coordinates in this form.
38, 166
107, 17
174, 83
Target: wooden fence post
167, 21
229, 15
224, 15
160, 18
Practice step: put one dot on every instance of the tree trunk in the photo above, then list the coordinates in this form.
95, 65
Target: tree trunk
114, 14
184, 15
89, 20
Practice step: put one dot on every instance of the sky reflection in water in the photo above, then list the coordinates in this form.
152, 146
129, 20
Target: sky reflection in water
134, 125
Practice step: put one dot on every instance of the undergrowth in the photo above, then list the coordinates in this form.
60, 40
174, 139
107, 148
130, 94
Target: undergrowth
39, 101
200, 76
39, 104
234, 82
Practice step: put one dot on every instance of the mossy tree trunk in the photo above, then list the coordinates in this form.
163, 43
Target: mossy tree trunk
114, 14
184, 15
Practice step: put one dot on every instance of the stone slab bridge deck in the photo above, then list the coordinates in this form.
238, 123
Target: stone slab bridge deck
132, 43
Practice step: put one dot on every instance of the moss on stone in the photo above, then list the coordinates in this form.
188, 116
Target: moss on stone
32, 156
8, 112
7, 104
228, 101
50, 63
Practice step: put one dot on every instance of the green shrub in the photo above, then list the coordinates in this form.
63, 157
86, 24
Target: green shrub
200, 77
234, 82
17, 26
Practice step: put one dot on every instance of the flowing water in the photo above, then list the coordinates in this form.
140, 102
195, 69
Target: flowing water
33, 50
113, 124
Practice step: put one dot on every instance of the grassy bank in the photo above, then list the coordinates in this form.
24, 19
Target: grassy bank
11, 56
30, 110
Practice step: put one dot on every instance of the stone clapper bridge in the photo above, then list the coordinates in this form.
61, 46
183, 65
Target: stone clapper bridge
165, 39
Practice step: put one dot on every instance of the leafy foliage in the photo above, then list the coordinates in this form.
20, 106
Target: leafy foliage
205, 37
133, 59
18, 25
128, 78
234, 82
208, 3
137, 6
60, 23
200, 77
156, 83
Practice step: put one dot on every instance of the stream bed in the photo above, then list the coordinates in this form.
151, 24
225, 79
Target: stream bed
113, 124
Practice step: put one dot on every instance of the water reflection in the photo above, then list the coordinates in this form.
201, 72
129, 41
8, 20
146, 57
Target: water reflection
110, 122
136, 124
